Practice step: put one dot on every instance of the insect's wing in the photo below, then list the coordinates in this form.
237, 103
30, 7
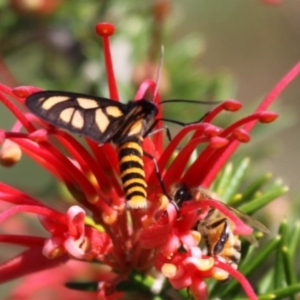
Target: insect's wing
95, 117
200, 193
251, 239
249, 220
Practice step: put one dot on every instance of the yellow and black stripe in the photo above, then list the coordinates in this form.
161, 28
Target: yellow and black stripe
132, 172
104, 120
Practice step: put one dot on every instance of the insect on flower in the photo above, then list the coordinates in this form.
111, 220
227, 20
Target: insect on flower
104, 121
216, 229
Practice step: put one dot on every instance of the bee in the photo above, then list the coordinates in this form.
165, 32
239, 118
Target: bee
216, 229
104, 121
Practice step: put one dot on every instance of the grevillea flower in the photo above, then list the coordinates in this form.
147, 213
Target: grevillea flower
97, 235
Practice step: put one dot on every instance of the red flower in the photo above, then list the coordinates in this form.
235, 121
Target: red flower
121, 240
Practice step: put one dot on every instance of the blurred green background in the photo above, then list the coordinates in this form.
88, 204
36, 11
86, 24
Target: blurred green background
213, 50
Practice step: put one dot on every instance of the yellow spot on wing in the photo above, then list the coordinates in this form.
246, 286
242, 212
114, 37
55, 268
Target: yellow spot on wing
87, 103
67, 114
101, 120
136, 128
114, 111
77, 120
50, 102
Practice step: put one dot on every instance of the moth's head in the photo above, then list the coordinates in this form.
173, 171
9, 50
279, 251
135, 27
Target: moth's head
147, 108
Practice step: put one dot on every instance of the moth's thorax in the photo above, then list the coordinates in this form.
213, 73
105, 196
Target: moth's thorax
145, 108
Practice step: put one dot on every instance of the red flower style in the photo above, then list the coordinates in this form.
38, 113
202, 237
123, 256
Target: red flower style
272, 2
101, 229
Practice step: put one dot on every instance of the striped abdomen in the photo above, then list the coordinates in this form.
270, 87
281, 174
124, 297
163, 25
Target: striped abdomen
132, 173
217, 231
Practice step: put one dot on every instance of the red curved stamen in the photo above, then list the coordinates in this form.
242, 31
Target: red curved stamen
39, 210
12, 195
210, 162
108, 160
105, 30
22, 240
239, 277
180, 162
87, 162
199, 129
192, 175
217, 142
241, 134
268, 116
227, 105
254, 117
25, 91
45, 163
145, 87
277, 90
148, 163
167, 153
58, 164
28, 262
17, 113
207, 164
219, 158
267, 101
212, 131
6, 90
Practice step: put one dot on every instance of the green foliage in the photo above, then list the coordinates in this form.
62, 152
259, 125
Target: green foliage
272, 265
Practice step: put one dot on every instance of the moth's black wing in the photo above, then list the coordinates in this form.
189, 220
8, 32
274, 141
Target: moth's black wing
95, 117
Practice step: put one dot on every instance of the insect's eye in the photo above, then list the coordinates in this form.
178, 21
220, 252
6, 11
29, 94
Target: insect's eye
181, 195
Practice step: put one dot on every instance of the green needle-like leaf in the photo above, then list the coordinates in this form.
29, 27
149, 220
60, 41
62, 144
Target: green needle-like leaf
251, 207
289, 268
294, 240
224, 180
236, 180
284, 232
266, 282
252, 189
261, 256
279, 278
281, 293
